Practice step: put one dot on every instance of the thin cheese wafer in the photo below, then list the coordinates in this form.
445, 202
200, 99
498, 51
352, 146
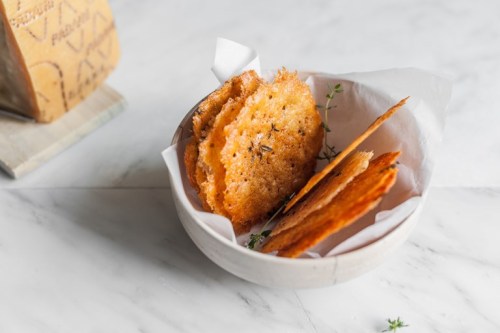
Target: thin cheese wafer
320, 175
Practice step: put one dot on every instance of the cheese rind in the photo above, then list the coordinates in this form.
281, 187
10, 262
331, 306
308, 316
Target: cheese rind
13, 93
60, 52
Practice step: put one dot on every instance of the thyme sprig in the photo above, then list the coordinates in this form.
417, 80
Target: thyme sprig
394, 325
257, 238
264, 232
329, 152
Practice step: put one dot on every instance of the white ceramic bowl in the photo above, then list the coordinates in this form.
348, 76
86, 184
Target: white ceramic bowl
266, 269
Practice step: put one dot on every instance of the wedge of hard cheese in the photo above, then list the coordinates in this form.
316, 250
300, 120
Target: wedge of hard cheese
53, 54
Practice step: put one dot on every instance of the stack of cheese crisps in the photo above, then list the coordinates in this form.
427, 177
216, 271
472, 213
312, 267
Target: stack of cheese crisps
254, 143
339, 200
346, 189
53, 54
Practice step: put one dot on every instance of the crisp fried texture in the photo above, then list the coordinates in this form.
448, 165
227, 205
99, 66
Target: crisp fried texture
329, 187
361, 195
193, 172
210, 148
270, 149
203, 121
320, 175
204, 116
190, 158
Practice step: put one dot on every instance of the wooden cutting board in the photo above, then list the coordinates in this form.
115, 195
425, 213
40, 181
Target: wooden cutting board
24, 146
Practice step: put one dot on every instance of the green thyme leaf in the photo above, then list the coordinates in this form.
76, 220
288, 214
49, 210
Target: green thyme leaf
329, 153
262, 235
254, 239
394, 325
266, 233
325, 126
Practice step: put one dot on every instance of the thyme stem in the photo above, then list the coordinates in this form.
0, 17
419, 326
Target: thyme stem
259, 238
329, 152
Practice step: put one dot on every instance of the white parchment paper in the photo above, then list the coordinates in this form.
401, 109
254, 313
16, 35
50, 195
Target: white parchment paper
416, 130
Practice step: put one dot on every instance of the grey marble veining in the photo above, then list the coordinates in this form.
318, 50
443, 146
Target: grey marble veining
118, 260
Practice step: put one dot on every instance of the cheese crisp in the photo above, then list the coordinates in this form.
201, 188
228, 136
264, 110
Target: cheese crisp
271, 149
198, 169
208, 110
329, 187
210, 149
254, 143
359, 140
359, 196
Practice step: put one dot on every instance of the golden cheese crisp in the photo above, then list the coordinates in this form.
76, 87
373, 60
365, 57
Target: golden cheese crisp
209, 108
53, 54
359, 196
271, 149
190, 160
327, 189
320, 175
210, 149
198, 162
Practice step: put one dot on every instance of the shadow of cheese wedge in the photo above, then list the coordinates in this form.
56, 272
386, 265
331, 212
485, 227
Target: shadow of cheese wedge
54, 53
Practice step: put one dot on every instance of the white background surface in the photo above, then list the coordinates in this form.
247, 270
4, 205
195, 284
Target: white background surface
90, 242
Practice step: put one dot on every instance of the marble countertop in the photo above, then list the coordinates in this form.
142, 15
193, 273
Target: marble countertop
90, 242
